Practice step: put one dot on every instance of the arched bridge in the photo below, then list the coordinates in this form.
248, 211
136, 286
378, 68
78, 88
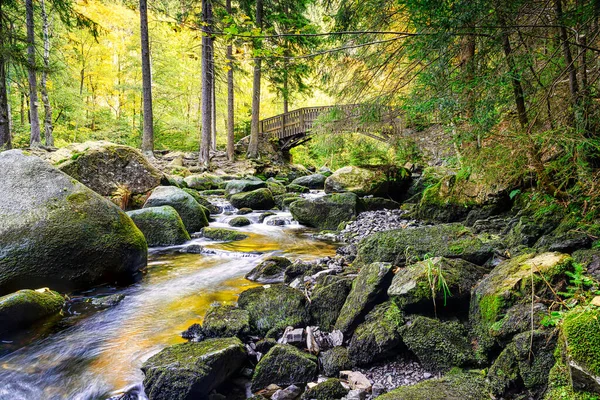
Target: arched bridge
293, 128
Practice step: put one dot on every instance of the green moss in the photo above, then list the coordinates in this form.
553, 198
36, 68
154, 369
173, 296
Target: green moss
239, 221
207, 205
161, 226
335, 360
260, 199
559, 385
327, 302
581, 329
226, 321
331, 389
284, 365
270, 270
27, 306
223, 234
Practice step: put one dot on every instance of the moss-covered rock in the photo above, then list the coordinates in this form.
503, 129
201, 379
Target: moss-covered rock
223, 234
276, 188
297, 270
190, 371
293, 188
226, 321
314, 181
274, 307
335, 360
55, 232
509, 284
23, 308
327, 212
453, 386
378, 336
239, 221
259, 199
239, 186
518, 319
191, 212
438, 345
161, 226
104, 166
327, 301
380, 203
284, 365
204, 182
284, 201
244, 211
435, 283
365, 182
560, 388
368, 288
270, 270
331, 389
265, 215
446, 240
212, 209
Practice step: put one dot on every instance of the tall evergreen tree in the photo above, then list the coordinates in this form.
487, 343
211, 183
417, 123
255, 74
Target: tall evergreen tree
34, 121
148, 129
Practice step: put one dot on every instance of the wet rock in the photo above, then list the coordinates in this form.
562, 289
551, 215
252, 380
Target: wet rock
240, 186
284, 201
327, 301
223, 234
438, 345
195, 333
25, 307
276, 188
270, 270
239, 221
298, 269
192, 370
380, 203
284, 365
264, 345
335, 360
274, 307
328, 390
191, 212
293, 188
446, 240
378, 336
517, 319
161, 226
244, 211
314, 181
370, 285
212, 209
356, 380
456, 385
365, 182
567, 242
108, 301
56, 232
289, 393
260, 199
263, 216
327, 212
226, 321
526, 230
203, 182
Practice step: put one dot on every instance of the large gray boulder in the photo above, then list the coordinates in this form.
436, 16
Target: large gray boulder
284, 365
366, 181
259, 199
161, 226
242, 185
327, 212
57, 233
104, 166
314, 181
191, 212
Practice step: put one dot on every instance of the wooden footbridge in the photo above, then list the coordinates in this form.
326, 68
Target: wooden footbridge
295, 127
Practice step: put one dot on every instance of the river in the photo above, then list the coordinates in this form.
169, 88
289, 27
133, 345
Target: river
94, 353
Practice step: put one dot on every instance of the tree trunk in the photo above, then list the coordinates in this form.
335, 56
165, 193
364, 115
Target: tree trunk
573, 85
286, 94
204, 158
35, 137
44, 89
148, 131
213, 128
253, 145
5, 137
230, 99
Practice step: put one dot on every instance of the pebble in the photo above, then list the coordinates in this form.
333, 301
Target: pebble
397, 372
370, 222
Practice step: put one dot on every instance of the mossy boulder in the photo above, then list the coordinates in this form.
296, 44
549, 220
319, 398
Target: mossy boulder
104, 166
284, 365
55, 232
314, 181
518, 319
380, 203
327, 212
298, 269
331, 389
293, 188
226, 321
335, 360
25, 307
274, 307
509, 284
259, 199
367, 290
192, 370
270, 270
438, 345
161, 226
203, 182
456, 385
445, 240
212, 209
284, 201
276, 188
327, 301
239, 221
223, 234
367, 181
239, 185
418, 286
377, 337
191, 212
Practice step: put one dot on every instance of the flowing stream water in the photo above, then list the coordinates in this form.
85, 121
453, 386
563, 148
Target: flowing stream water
92, 353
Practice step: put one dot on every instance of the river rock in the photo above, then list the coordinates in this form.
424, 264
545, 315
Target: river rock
327, 301
239, 186
270, 270
104, 166
380, 203
212, 209
161, 226
226, 321
190, 371
327, 212
239, 221
222, 234
293, 188
191, 212
274, 307
328, 390
314, 181
276, 188
203, 182
369, 287
260, 199
378, 336
365, 182
453, 386
284, 365
56, 232
445, 240
335, 360
23, 308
